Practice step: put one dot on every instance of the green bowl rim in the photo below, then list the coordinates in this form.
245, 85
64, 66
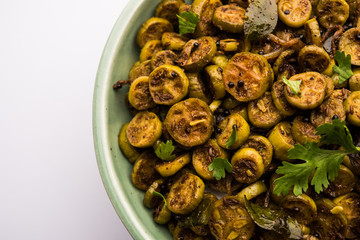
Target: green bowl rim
100, 135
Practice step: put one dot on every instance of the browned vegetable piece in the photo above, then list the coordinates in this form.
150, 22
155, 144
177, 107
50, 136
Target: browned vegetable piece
282, 60
214, 79
173, 41
262, 145
150, 199
190, 122
140, 70
280, 102
228, 45
282, 140
203, 156
150, 48
153, 29
161, 213
332, 12
168, 84
230, 220
343, 183
169, 168
301, 207
197, 87
229, 18
329, 86
197, 53
331, 108
351, 208
185, 234
143, 173
352, 108
247, 76
294, 13
354, 81
126, 148
205, 9
144, 129
139, 94
303, 131
185, 194
225, 185
328, 225
168, 9
263, 113
226, 127
350, 44
241, 3
247, 165
312, 32
163, 57
313, 58
312, 90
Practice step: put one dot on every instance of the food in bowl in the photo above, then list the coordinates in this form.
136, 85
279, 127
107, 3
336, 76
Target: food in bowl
246, 119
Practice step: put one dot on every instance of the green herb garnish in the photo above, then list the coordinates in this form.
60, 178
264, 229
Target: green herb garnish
232, 137
344, 66
293, 85
164, 151
260, 19
187, 22
275, 220
324, 164
219, 165
160, 195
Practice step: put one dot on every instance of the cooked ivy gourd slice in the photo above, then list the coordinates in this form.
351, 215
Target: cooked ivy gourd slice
294, 13
152, 29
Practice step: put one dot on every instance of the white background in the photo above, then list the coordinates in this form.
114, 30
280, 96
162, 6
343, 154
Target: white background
50, 187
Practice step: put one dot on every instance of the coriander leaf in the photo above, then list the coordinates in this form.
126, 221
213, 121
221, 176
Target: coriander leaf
219, 165
324, 163
232, 137
337, 133
160, 195
275, 220
164, 151
187, 22
344, 66
260, 19
294, 85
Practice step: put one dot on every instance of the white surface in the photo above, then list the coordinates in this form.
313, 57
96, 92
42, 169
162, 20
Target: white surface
50, 187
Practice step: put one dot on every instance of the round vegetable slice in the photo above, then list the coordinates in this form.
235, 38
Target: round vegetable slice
282, 140
343, 183
247, 76
332, 12
301, 207
185, 194
294, 13
144, 129
263, 113
197, 87
173, 41
162, 58
230, 220
153, 29
143, 173
247, 165
139, 70
162, 214
303, 131
168, 84
350, 44
150, 48
262, 145
312, 90
169, 168
197, 53
205, 9
313, 58
214, 78
190, 122
229, 18
279, 99
226, 128
203, 156
168, 9
354, 81
139, 94
150, 199
126, 148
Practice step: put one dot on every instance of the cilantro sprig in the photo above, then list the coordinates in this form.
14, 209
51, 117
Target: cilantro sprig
160, 195
344, 66
321, 163
219, 165
232, 137
293, 85
165, 151
187, 22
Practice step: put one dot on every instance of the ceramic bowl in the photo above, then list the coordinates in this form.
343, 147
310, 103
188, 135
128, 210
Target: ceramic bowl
109, 113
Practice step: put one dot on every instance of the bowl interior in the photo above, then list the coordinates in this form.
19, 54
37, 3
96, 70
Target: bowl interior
109, 113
